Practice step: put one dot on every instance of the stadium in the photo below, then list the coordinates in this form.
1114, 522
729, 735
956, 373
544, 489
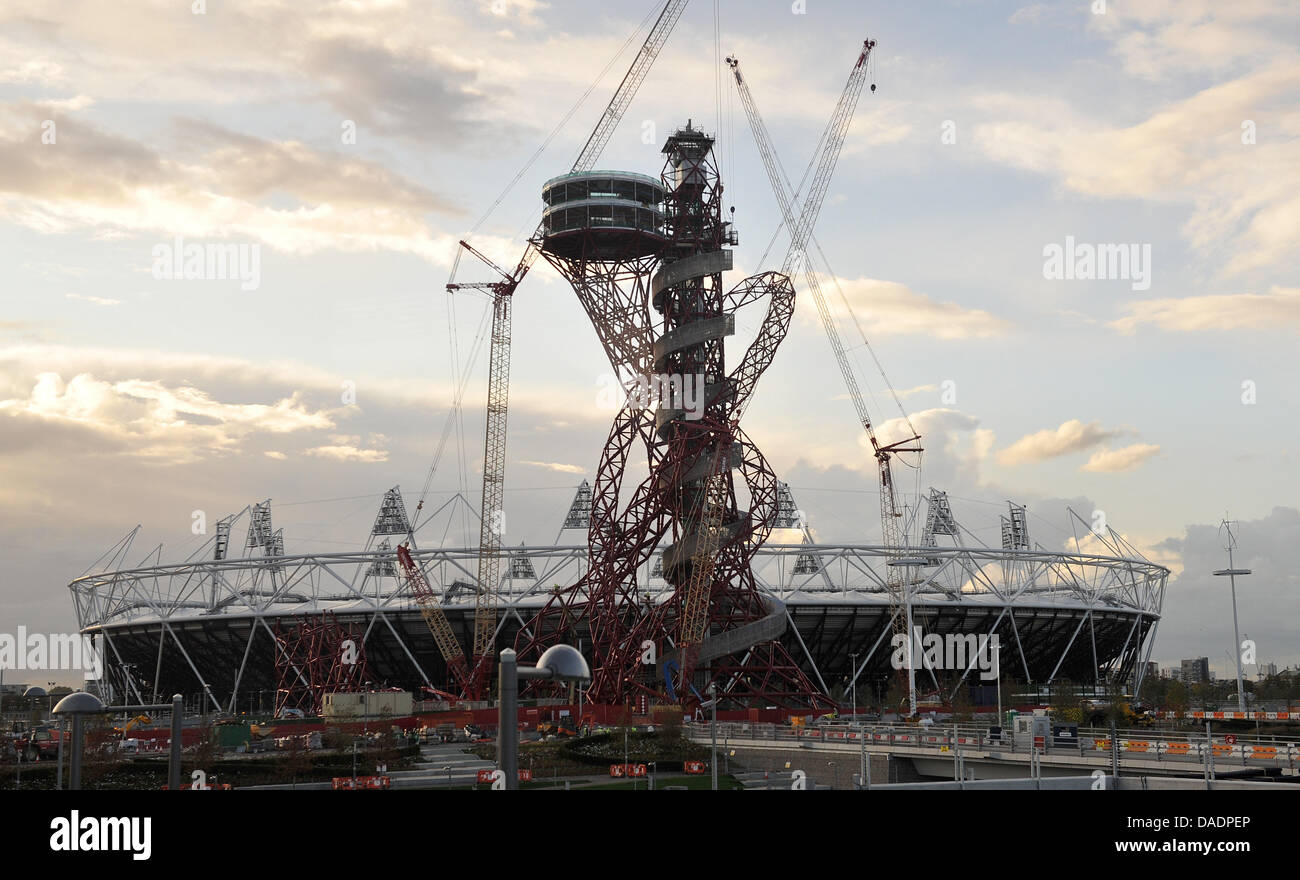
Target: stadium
210, 629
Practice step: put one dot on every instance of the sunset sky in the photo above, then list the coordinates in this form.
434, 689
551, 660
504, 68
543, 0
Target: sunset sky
997, 131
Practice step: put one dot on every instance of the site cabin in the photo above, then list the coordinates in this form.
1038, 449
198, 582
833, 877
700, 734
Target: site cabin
379, 704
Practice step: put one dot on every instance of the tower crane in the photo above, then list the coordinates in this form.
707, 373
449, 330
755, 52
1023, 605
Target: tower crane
796, 257
502, 291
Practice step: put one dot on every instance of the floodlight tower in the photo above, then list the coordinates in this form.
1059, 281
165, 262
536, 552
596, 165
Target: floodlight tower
1230, 544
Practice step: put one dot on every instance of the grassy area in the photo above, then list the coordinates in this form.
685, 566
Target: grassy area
278, 767
592, 755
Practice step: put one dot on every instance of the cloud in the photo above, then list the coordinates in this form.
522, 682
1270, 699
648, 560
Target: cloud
1071, 436
1158, 39
219, 183
1243, 198
1197, 619
347, 453
150, 419
890, 308
1110, 461
1279, 309
95, 300
557, 467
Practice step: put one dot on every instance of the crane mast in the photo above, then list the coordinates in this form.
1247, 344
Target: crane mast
797, 257
491, 524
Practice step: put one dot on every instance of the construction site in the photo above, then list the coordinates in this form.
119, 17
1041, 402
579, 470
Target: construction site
718, 643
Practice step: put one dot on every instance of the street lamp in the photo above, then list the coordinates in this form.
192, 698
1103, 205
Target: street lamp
1231, 574
713, 732
561, 663
853, 682
81, 703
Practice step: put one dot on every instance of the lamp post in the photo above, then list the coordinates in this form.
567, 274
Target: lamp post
80, 703
907, 563
1231, 574
853, 682
713, 732
562, 663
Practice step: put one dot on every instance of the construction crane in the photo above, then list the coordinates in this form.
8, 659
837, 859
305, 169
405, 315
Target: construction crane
434, 617
797, 257
491, 524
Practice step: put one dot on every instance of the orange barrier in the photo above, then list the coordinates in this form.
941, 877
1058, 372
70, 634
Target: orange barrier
1179, 748
485, 776
1137, 746
696, 767
361, 783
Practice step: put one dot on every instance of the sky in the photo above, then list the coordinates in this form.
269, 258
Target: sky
343, 148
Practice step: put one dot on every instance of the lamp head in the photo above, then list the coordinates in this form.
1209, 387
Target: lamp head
564, 663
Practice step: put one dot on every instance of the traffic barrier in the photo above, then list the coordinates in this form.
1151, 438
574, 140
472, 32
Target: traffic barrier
1137, 746
695, 767
361, 783
486, 775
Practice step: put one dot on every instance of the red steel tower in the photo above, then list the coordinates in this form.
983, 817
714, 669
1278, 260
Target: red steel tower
645, 258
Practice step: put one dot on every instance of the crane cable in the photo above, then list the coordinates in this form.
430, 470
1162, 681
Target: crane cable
834, 278
564, 120
457, 401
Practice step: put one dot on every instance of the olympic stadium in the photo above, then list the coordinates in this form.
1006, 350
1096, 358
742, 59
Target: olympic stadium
208, 628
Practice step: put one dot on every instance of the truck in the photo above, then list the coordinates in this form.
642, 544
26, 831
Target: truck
39, 744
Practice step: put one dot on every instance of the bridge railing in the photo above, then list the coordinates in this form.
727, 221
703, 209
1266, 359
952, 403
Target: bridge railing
1259, 751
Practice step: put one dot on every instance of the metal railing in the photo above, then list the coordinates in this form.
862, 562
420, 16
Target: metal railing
1090, 743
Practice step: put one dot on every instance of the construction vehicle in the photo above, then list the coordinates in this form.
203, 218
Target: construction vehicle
563, 726
137, 721
1127, 713
40, 743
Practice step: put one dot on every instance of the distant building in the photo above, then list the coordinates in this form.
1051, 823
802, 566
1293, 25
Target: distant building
1266, 670
1196, 670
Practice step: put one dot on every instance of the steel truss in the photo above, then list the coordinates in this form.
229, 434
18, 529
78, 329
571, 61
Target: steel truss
207, 626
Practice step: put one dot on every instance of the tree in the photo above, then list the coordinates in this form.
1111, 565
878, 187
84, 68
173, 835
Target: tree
1067, 704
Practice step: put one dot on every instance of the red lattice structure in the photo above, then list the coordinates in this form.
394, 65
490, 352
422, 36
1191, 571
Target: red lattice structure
604, 232
312, 659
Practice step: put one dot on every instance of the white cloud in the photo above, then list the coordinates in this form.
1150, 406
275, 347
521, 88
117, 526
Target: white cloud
1279, 309
1243, 199
1111, 461
152, 420
556, 466
347, 453
892, 309
1071, 436
95, 300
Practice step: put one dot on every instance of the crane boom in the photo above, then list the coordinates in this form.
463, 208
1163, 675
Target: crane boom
797, 255
491, 523
433, 615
